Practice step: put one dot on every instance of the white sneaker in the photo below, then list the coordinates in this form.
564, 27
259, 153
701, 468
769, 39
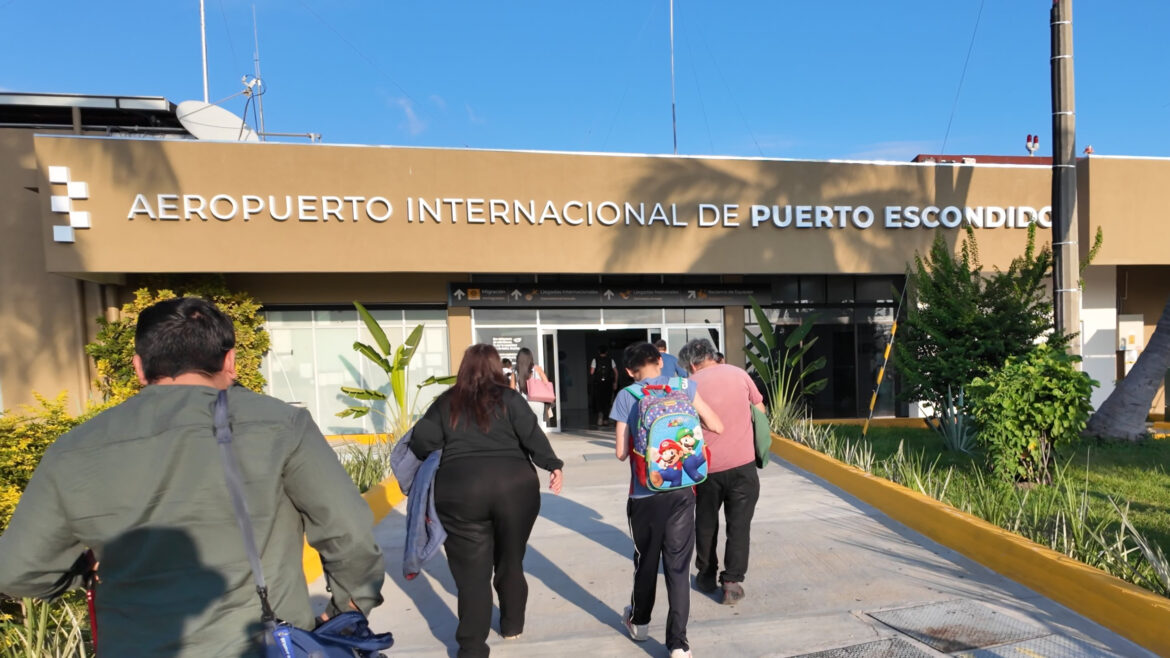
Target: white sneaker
639, 632
680, 653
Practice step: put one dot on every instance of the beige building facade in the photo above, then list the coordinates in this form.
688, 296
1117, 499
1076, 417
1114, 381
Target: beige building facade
558, 252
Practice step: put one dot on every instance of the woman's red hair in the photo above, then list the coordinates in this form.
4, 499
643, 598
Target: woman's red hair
479, 386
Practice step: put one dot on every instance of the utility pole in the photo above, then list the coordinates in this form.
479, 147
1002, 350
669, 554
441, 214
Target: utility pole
1066, 291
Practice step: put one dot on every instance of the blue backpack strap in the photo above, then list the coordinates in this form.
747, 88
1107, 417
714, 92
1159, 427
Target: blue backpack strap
636, 391
677, 383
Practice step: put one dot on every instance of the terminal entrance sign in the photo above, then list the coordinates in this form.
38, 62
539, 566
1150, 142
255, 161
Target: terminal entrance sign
530, 295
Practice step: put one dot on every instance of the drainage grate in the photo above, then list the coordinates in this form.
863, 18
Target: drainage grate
891, 648
1049, 645
958, 625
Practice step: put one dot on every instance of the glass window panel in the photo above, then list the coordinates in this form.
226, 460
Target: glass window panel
878, 288
675, 339
812, 289
786, 290
672, 315
712, 315
503, 316
508, 341
426, 316
338, 365
387, 317
710, 333
335, 317
290, 318
289, 364
840, 290
642, 316
570, 316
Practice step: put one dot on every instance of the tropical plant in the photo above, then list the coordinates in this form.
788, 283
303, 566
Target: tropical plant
1032, 404
395, 362
367, 465
963, 323
1123, 414
46, 629
781, 365
955, 424
113, 348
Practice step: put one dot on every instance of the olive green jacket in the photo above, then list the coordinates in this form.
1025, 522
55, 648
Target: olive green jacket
142, 486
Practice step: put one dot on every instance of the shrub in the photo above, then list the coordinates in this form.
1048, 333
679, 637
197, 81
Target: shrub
1035, 402
24, 437
963, 323
113, 349
955, 424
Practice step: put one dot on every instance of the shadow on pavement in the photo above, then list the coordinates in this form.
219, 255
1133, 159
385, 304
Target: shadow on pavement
539, 566
586, 522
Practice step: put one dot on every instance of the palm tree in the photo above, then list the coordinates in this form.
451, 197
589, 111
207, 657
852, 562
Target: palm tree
1123, 414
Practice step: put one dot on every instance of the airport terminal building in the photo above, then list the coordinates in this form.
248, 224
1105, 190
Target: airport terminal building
558, 252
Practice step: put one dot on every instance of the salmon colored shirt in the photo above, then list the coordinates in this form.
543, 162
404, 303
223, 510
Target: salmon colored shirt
730, 392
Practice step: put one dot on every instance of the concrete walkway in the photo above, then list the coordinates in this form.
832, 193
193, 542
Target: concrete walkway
823, 567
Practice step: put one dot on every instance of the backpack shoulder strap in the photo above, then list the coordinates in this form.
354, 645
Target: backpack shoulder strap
636, 391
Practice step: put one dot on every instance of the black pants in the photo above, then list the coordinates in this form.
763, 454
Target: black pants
488, 507
663, 528
736, 490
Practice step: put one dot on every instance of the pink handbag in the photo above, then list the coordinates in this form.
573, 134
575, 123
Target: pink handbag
540, 390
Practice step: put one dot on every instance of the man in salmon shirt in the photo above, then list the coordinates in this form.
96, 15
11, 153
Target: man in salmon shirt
732, 482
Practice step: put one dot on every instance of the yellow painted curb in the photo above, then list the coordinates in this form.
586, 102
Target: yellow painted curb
361, 439
382, 498
1127, 609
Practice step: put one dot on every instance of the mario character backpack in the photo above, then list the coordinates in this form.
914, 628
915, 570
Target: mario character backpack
669, 452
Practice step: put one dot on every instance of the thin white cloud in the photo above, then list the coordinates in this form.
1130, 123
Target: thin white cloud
439, 102
413, 124
898, 151
472, 116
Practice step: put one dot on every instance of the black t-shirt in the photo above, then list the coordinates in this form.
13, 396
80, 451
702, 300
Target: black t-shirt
513, 432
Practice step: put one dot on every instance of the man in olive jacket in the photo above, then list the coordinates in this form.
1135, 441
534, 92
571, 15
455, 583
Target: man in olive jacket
142, 486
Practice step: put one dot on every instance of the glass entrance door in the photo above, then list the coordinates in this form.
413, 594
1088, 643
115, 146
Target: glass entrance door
549, 360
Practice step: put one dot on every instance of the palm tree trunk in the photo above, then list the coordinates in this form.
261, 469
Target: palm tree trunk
1123, 414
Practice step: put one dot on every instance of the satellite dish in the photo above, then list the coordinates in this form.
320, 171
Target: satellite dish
212, 122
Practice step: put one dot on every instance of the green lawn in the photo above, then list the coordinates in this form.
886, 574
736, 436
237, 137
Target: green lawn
1135, 473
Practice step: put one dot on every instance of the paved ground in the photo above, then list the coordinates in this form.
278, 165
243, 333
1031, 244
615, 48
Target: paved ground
823, 567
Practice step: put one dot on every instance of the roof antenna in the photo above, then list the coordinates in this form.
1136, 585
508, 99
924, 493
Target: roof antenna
203, 39
256, 64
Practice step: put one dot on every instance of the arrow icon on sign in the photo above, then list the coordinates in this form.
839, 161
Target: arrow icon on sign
515, 294
608, 294
690, 294
459, 294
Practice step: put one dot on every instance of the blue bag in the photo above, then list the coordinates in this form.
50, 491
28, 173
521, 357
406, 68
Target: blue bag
347, 635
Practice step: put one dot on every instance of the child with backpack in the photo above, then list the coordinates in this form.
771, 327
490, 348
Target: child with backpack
659, 421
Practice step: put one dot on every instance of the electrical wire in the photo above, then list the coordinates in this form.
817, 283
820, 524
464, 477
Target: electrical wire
359, 52
699, 90
231, 42
732, 96
962, 76
626, 89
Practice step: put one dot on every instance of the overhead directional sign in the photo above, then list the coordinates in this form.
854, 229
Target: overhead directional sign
532, 296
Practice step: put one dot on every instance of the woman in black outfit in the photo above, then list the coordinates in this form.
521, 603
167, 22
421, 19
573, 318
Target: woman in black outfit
486, 491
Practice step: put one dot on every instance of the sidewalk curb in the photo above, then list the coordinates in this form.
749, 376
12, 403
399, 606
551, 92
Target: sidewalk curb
382, 498
1127, 609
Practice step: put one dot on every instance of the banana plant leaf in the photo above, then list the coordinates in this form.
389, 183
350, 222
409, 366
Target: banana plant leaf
374, 328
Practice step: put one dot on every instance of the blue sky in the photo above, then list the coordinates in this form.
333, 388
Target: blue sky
844, 79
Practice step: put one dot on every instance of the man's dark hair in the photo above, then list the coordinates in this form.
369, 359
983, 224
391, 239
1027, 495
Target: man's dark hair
639, 354
603, 350
660, 344
181, 335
